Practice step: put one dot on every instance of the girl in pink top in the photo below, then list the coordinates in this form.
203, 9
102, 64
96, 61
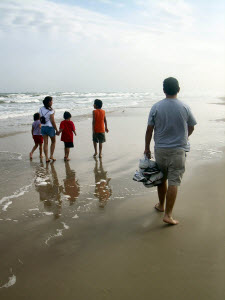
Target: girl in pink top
36, 133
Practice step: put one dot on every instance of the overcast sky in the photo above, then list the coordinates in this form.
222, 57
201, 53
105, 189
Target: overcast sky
111, 45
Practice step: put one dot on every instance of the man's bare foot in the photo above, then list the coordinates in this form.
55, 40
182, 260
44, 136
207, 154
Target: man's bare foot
30, 156
52, 158
170, 220
41, 156
100, 156
159, 207
67, 159
94, 155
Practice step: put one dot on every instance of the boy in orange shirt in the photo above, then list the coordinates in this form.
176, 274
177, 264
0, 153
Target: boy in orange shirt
99, 126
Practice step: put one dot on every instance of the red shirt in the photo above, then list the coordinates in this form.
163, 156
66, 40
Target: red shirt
67, 133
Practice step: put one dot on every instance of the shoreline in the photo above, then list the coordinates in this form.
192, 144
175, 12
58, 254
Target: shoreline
143, 105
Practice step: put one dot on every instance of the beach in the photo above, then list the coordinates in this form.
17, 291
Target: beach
85, 230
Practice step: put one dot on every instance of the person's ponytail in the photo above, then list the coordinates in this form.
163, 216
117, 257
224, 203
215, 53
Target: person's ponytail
46, 102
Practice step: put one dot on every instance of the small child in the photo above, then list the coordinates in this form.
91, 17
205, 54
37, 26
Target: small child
99, 126
67, 128
36, 133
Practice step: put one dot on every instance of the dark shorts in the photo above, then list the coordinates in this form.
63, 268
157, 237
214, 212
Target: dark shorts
99, 137
68, 144
47, 130
171, 162
38, 139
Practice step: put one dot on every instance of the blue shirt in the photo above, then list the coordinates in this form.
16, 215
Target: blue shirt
171, 118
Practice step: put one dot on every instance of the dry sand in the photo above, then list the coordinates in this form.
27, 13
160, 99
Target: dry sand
109, 244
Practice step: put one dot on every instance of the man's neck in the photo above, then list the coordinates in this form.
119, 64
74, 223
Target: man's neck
171, 97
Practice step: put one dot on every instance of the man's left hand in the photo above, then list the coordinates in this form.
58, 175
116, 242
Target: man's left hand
147, 153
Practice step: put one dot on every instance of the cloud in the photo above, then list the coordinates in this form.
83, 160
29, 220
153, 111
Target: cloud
110, 2
177, 14
81, 43
45, 16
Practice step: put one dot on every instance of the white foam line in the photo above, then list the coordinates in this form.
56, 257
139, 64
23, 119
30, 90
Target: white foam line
59, 233
65, 226
12, 281
19, 154
17, 194
75, 217
48, 213
8, 219
42, 183
6, 205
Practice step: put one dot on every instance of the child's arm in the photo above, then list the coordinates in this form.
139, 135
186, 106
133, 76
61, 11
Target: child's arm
74, 129
106, 128
93, 122
32, 130
61, 127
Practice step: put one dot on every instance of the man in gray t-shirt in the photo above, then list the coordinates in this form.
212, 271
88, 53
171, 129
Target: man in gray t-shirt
172, 122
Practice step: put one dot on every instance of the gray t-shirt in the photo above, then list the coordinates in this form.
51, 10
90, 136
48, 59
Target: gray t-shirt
171, 118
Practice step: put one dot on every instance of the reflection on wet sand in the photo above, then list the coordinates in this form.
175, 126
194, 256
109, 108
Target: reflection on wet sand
71, 185
102, 189
47, 185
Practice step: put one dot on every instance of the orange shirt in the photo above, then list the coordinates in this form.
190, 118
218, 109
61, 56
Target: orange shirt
99, 120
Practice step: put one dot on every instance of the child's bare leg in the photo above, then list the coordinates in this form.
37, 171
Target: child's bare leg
52, 148
33, 149
95, 147
45, 137
67, 153
40, 149
100, 150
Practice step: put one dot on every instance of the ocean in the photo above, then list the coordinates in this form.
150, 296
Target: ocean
17, 109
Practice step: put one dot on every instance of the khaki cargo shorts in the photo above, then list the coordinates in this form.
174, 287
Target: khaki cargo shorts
171, 162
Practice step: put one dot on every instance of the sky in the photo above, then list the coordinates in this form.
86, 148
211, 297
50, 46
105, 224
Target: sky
111, 45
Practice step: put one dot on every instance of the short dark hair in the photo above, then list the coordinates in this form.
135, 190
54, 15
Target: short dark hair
98, 103
66, 115
46, 102
36, 116
171, 86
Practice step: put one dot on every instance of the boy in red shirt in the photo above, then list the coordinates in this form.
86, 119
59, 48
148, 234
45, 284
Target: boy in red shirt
67, 128
99, 126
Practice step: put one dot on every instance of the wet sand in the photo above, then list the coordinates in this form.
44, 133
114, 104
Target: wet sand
85, 230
